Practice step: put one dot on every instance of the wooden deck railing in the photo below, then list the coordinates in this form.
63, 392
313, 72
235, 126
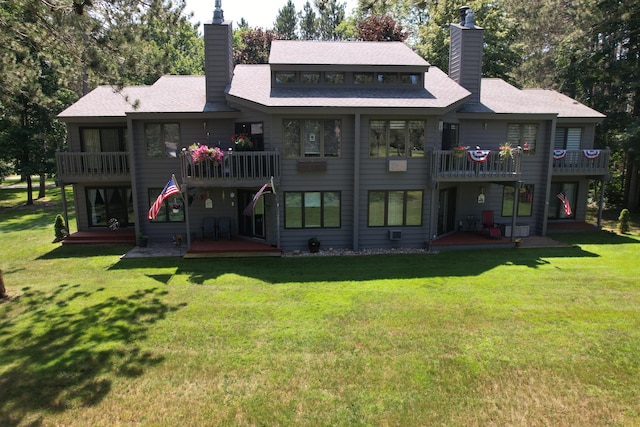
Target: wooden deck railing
236, 168
92, 166
581, 162
472, 166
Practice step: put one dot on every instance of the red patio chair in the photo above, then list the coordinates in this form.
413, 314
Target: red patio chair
489, 227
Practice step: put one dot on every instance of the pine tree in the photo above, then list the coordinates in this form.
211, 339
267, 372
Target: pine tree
286, 22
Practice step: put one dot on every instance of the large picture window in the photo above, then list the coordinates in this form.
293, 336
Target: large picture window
395, 208
525, 200
103, 140
312, 209
172, 210
567, 138
312, 138
162, 139
105, 203
396, 138
523, 135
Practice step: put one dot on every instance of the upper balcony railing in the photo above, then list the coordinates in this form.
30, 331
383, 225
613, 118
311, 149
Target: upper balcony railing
236, 168
75, 167
475, 165
581, 162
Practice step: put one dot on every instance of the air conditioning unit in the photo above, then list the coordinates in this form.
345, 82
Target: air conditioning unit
395, 234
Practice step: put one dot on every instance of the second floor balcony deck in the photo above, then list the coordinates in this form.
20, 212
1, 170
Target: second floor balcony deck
238, 168
474, 166
92, 167
581, 162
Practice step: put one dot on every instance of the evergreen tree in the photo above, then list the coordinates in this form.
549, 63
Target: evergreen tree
286, 22
330, 16
308, 23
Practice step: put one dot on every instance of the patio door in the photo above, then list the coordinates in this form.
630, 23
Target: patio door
254, 225
446, 211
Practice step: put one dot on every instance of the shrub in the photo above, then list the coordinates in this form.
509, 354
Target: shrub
624, 218
60, 229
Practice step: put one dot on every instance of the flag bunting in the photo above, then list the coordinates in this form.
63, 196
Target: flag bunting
478, 156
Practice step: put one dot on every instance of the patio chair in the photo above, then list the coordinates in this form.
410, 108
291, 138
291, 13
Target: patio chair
209, 228
489, 227
224, 227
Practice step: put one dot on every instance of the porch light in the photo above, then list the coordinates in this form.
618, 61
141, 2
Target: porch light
481, 196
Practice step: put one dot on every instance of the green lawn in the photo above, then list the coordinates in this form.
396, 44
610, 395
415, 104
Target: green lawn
473, 338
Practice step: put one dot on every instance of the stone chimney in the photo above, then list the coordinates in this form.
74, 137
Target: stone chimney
465, 55
218, 55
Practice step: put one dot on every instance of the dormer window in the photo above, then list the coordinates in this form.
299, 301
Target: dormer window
285, 77
410, 79
334, 78
310, 78
363, 78
388, 78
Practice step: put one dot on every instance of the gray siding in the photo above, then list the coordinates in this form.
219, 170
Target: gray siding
218, 60
465, 59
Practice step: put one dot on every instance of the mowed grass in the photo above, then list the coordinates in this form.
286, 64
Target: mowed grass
473, 338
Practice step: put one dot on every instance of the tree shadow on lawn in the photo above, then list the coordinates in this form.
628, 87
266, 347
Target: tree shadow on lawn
596, 238
356, 268
55, 356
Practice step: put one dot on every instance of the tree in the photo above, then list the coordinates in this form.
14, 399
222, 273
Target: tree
286, 22
380, 28
500, 57
308, 23
56, 50
253, 45
330, 15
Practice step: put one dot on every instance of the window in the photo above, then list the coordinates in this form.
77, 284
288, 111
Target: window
567, 138
557, 208
312, 138
525, 200
312, 209
104, 203
105, 140
285, 77
396, 138
449, 136
334, 78
523, 135
362, 78
395, 208
162, 139
172, 210
387, 78
310, 78
410, 79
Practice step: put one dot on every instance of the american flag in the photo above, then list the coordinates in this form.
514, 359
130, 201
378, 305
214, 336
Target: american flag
169, 190
565, 203
248, 211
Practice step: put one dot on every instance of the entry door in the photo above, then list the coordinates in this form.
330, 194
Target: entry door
254, 225
447, 210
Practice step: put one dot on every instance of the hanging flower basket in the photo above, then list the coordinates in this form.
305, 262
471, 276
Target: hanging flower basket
459, 151
200, 152
506, 151
242, 142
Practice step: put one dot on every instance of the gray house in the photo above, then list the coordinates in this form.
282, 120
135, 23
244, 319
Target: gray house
366, 144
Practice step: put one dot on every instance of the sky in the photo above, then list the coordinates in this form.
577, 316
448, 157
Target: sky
257, 13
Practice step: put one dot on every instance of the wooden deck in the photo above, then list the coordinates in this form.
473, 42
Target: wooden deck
468, 240
230, 248
101, 237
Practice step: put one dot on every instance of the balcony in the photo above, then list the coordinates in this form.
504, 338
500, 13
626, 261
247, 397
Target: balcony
92, 167
474, 166
581, 162
237, 169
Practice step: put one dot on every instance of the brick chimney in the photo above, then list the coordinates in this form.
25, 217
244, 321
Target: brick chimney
465, 55
218, 55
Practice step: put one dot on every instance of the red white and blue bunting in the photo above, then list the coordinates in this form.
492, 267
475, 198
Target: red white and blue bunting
559, 154
479, 156
591, 154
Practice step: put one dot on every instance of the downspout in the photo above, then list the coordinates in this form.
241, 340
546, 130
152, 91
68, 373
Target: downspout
185, 201
356, 182
132, 171
547, 193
